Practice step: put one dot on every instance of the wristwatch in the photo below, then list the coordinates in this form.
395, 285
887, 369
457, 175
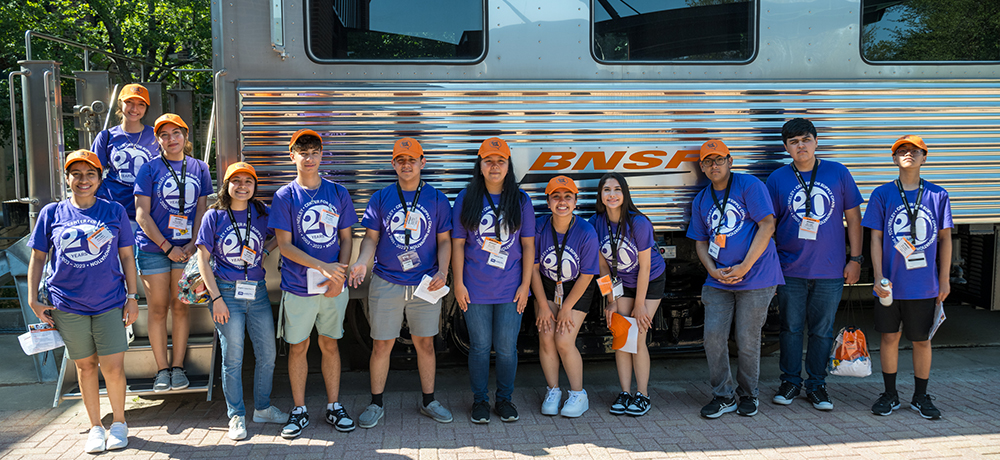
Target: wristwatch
859, 259
132, 296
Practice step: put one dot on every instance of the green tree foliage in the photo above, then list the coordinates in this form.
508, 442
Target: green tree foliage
935, 30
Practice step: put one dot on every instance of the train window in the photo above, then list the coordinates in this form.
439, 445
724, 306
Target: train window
674, 30
395, 30
930, 30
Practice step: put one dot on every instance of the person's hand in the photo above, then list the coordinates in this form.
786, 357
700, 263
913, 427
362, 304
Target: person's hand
609, 311
42, 312
642, 318
852, 272
220, 311
333, 287
358, 272
190, 248
438, 281
564, 322
462, 296
718, 274
879, 291
521, 297
176, 254
944, 287
543, 317
131, 311
735, 273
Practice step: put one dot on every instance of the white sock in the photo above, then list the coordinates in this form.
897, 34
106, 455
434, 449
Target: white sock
333, 406
299, 410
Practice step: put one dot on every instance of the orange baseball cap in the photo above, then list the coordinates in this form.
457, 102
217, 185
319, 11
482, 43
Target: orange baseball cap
240, 167
909, 139
713, 147
85, 156
407, 146
620, 331
300, 133
561, 183
494, 146
134, 91
168, 118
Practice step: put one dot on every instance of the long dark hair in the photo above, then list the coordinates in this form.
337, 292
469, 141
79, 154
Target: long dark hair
509, 205
225, 201
628, 207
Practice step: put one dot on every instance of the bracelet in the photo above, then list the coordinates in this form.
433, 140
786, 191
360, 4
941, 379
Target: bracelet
161, 245
167, 252
217, 298
266, 252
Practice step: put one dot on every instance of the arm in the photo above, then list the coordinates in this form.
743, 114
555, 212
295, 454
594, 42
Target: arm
360, 267
527, 262
543, 311
639, 312
143, 205
336, 285
852, 272
457, 265
877, 263
944, 264
127, 258
330, 270
444, 260
611, 305
35, 266
220, 311
765, 228
270, 244
701, 247
191, 247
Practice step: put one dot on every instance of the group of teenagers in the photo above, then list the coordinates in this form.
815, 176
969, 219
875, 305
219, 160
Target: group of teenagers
138, 187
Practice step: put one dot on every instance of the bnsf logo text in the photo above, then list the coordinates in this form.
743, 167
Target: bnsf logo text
602, 161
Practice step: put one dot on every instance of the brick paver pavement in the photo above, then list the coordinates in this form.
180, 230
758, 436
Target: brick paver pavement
964, 382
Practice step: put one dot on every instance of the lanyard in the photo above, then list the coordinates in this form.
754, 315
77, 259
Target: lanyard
408, 209
182, 191
614, 238
913, 212
808, 189
555, 243
725, 201
243, 243
496, 214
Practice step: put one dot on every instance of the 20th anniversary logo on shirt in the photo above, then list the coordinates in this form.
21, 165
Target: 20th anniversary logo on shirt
396, 225
127, 160
925, 233
488, 229
310, 220
821, 206
76, 248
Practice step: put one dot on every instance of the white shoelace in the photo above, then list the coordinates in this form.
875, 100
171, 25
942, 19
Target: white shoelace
554, 394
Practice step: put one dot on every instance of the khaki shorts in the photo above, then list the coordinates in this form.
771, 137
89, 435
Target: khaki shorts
386, 304
299, 314
103, 334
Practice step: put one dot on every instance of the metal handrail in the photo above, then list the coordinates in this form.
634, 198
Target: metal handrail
107, 119
13, 129
31, 33
211, 118
54, 178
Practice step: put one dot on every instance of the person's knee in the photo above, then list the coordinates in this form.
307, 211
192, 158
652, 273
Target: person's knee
566, 345
384, 347
328, 345
87, 365
423, 345
179, 309
298, 349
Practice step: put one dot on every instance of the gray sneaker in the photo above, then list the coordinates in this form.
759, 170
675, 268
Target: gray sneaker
437, 412
161, 382
370, 417
178, 380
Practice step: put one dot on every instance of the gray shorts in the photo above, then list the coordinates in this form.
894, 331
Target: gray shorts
299, 314
386, 304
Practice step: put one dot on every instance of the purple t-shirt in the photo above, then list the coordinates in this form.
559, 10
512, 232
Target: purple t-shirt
386, 215
748, 204
833, 193
218, 236
301, 213
156, 182
85, 279
635, 238
580, 255
122, 155
487, 284
887, 213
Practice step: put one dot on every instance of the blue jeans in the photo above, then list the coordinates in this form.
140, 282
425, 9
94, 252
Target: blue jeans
496, 326
813, 302
256, 317
749, 310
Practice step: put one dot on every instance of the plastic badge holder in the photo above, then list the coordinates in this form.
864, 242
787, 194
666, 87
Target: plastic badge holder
40, 338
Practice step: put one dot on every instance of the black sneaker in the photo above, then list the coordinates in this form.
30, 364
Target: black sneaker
621, 403
638, 406
719, 405
296, 422
886, 404
481, 412
506, 410
923, 404
340, 420
748, 406
786, 393
819, 398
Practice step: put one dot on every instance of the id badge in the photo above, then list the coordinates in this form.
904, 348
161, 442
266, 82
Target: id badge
177, 222
618, 289
713, 250
409, 260
184, 234
493, 246
559, 294
808, 228
328, 217
604, 283
905, 248
246, 290
412, 222
498, 260
249, 255
916, 260
100, 237
720, 240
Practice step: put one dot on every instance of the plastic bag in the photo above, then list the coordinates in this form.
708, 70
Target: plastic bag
39, 338
192, 286
849, 356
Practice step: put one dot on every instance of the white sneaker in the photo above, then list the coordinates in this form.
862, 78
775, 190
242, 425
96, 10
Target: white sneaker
270, 415
550, 406
95, 440
576, 404
118, 436
237, 428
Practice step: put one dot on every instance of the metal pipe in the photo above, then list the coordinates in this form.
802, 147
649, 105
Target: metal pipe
13, 130
211, 118
54, 179
86, 60
107, 119
31, 33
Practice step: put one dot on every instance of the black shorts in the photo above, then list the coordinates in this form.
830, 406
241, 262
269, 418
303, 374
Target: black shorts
917, 317
581, 305
653, 292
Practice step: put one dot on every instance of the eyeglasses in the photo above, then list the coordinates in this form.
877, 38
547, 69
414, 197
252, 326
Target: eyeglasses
914, 152
708, 162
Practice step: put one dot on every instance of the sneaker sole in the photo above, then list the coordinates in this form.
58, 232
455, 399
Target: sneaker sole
434, 417
510, 419
363, 425
782, 401
575, 415
922, 414
614, 411
296, 434
480, 421
636, 413
749, 414
550, 411
160, 390
888, 413
720, 413
179, 388
238, 438
823, 406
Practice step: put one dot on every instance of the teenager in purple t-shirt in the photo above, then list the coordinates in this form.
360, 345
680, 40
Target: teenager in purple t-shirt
732, 222
632, 264
312, 219
810, 242
123, 149
234, 232
493, 250
911, 248
168, 222
565, 264
92, 299
409, 234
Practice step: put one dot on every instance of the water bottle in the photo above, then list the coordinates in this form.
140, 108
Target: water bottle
888, 299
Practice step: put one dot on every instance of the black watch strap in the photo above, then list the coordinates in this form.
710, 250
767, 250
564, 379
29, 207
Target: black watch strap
859, 259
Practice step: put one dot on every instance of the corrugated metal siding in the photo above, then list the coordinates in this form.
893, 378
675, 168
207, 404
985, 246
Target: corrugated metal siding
858, 121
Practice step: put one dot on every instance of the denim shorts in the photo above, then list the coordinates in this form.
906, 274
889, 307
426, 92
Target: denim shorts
154, 263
